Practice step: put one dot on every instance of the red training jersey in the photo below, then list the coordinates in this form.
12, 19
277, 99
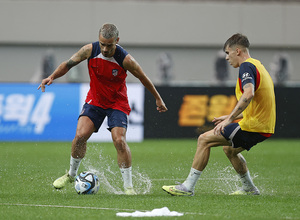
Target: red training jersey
108, 80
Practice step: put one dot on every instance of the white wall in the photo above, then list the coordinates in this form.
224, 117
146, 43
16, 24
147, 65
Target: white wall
191, 31
149, 22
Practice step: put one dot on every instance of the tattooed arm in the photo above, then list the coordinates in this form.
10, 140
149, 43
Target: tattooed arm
243, 102
83, 54
239, 108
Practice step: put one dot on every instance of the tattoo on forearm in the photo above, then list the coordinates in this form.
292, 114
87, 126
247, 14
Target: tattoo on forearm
239, 110
245, 100
71, 63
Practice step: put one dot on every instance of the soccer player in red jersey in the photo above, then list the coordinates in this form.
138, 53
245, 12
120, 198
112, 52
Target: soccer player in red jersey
108, 64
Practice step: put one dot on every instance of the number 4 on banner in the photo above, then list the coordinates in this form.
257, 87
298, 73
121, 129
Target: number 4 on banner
40, 116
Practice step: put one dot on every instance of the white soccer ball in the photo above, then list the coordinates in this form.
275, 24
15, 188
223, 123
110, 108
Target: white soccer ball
87, 183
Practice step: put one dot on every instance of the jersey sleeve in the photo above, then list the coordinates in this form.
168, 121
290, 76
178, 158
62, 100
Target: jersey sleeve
247, 74
95, 49
120, 55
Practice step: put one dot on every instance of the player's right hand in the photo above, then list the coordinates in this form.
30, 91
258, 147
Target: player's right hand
48, 81
219, 119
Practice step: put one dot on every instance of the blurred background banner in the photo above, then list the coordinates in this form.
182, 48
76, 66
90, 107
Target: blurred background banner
191, 110
27, 114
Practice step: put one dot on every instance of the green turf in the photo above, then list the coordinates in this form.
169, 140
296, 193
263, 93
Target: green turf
27, 171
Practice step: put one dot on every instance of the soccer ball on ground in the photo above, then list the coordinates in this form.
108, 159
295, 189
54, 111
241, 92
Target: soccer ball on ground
87, 183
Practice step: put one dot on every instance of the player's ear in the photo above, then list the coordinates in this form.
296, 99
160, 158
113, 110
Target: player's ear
117, 41
238, 51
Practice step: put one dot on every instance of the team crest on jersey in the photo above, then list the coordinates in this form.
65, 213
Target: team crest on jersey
115, 72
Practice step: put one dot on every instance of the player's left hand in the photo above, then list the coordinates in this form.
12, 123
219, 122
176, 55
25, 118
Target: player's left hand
219, 129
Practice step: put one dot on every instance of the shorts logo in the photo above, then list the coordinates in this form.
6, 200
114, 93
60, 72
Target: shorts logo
115, 72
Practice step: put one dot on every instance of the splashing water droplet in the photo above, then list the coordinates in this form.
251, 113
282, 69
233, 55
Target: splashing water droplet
109, 174
221, 179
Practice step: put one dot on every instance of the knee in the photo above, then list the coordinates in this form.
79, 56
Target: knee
202, 141
120, 143
229, 151
79, 138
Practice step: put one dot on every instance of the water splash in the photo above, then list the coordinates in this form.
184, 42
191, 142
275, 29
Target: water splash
142, 183
223, 179
229, 180
219, 179
109, 173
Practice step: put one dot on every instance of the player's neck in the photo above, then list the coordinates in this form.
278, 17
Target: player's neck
244, 57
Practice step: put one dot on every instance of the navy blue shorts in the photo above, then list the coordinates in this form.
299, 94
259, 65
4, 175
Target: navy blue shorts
116, 118
240, 138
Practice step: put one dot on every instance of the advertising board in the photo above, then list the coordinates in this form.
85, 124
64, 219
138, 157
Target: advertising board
27, 114
191, 110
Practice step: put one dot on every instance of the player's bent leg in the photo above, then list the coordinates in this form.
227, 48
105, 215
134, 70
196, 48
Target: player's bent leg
240, 165
235, 157
204, 144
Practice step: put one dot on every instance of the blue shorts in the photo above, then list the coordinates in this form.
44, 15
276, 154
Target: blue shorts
240, 138
116, 118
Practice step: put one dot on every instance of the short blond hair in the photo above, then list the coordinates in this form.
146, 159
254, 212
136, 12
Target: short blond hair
109, 31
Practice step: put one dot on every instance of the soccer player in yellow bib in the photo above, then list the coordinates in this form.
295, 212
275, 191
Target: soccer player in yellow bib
256, 109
